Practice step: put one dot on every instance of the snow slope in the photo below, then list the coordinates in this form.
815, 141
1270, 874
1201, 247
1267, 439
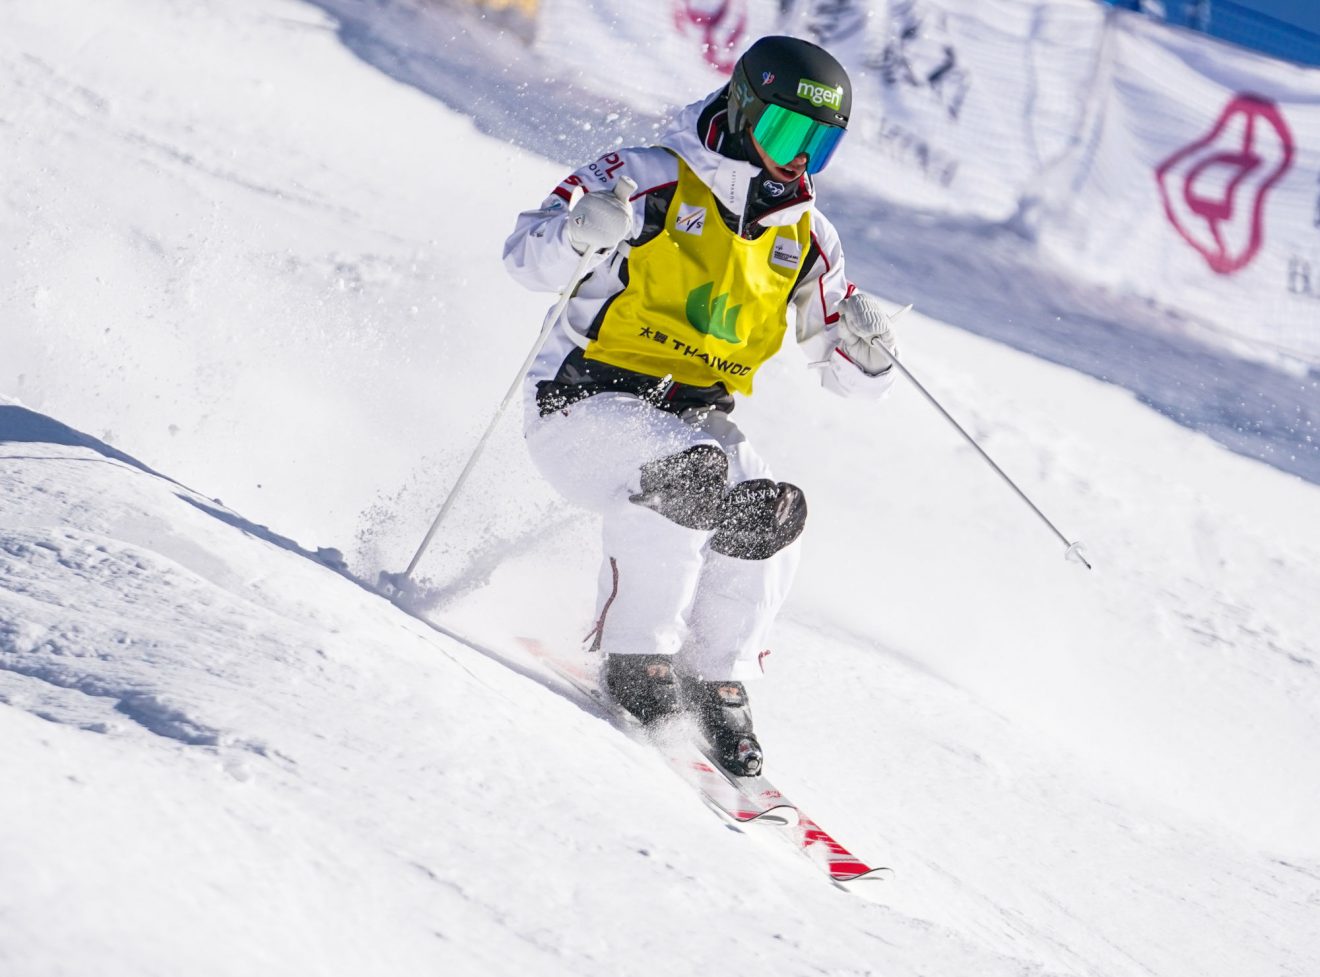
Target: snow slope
224, 756
235, 761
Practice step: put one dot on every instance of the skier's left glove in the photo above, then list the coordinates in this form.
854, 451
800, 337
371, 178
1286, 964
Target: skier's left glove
867, 333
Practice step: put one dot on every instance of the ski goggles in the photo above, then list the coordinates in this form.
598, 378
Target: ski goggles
785, 134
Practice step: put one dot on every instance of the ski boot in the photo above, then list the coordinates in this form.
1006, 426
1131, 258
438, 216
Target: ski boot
644, 685
725, 718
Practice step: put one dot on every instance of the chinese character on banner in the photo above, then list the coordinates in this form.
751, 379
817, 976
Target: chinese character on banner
920, 54
720, 25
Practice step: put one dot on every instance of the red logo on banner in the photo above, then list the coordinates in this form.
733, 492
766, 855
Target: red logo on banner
721, 24
1214, 190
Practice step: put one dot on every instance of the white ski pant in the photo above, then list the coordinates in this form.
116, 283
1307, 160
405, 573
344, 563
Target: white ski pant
662, 590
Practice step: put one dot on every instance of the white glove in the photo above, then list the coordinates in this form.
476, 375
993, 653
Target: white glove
602, 221
867, 332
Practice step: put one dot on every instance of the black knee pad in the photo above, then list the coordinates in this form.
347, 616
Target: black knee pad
758, 519
688, 488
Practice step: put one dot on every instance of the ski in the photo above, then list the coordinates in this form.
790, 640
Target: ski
742, 800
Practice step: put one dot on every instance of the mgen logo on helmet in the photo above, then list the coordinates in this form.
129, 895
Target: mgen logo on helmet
818, 94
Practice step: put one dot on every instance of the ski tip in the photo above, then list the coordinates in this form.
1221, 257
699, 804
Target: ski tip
781, 816
881, 873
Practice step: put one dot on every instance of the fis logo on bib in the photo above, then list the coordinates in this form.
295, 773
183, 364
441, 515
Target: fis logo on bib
818, 94
786, 253
691, 219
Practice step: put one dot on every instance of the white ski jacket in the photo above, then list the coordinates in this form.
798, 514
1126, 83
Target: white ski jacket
538, 255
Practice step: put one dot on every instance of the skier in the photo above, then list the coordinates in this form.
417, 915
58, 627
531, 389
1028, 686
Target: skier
699, 248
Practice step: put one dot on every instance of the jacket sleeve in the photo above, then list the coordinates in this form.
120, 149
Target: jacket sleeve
537, 254
816, 298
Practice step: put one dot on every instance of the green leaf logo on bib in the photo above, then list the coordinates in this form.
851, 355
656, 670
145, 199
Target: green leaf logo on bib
714, 318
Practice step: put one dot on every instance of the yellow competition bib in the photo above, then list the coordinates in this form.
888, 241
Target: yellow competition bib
701, 304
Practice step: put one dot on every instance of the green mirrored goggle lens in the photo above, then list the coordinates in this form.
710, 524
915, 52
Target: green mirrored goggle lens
784, 134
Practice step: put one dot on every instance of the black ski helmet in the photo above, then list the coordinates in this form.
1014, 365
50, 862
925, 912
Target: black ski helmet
792, 73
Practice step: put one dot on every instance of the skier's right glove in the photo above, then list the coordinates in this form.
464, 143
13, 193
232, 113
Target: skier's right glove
866, 333
602, 221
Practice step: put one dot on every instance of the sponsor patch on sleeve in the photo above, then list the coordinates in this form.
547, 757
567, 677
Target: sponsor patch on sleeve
565, 190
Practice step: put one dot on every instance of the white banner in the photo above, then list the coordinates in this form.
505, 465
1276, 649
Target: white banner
1155, 161
959, 105
1200, 189
655, 55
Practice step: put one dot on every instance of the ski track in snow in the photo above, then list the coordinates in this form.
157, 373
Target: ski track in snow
212, 728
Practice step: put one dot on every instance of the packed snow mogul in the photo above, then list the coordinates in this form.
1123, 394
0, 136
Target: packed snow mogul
699, 248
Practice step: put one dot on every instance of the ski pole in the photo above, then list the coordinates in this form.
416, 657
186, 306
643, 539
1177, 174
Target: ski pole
551, 320
624, 188
1074, 547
